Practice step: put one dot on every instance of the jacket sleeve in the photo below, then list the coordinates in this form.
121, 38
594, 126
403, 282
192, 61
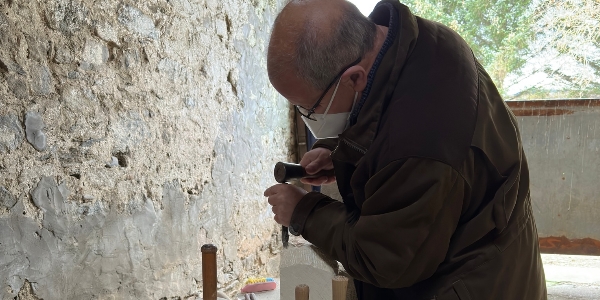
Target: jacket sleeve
411, 210
330, 143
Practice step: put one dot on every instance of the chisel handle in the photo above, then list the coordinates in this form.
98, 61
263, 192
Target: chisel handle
285, 172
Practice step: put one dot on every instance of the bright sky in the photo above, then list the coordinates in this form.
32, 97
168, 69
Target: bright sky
365, 6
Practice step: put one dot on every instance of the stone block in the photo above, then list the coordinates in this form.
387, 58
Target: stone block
138, 22
303, 263
130, 58
18, 86
33, 128
62, 54
6, 198
130, 131
41, 80
3, 20
95, 53
107, 33
11, 133
37, 48
172, 69
9, 66
66, 15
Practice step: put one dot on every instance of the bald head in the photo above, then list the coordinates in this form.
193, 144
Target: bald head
321, 14
313, 40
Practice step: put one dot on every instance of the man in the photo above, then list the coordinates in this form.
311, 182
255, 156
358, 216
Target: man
427, 157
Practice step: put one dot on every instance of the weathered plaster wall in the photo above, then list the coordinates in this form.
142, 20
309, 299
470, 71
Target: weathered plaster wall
131, 133
561, 139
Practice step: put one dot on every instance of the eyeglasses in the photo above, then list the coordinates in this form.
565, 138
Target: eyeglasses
308, 112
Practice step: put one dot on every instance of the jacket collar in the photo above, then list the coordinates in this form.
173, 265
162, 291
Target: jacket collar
382, 80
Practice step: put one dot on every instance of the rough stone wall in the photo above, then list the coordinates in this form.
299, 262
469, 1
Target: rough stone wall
131, 133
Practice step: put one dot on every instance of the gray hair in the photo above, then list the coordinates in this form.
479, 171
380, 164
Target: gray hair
320, 57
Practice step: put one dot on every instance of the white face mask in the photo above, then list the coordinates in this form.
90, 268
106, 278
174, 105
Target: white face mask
329, 125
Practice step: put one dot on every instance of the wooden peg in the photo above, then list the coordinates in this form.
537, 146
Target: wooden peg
302, 292
209, 272
339, 286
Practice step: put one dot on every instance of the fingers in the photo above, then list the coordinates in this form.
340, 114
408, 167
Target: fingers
314, 181
316, 160
318, 181
274, 209
283, 198
330, 179
308, 157
318, 165
273, 190
278, 211
277, 193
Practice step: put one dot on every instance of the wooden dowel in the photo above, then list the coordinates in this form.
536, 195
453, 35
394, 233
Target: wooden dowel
302, 292
209, 272
339, 286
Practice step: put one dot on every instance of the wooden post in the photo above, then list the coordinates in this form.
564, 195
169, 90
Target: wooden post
209, 272
302, 292
339, 286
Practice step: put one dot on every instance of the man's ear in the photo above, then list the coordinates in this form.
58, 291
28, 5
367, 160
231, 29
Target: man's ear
355, 77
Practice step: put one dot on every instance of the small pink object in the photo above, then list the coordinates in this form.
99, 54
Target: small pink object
259, 285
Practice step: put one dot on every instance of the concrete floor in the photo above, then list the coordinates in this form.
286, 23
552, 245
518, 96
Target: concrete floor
572, 277
568, 277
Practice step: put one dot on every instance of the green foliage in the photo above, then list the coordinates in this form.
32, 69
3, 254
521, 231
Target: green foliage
555, 44
570, 31
497, 30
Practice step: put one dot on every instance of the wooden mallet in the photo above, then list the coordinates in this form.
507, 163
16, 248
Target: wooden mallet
339, 286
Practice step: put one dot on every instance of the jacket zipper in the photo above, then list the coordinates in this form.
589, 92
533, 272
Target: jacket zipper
355, 147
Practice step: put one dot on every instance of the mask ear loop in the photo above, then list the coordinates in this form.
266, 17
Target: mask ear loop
354, 103
351, 110
332, 96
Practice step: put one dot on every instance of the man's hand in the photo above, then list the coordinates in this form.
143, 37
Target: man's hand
284, 198
314, 161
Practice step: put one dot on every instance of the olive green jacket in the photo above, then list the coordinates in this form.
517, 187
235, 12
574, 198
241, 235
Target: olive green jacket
433, 176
